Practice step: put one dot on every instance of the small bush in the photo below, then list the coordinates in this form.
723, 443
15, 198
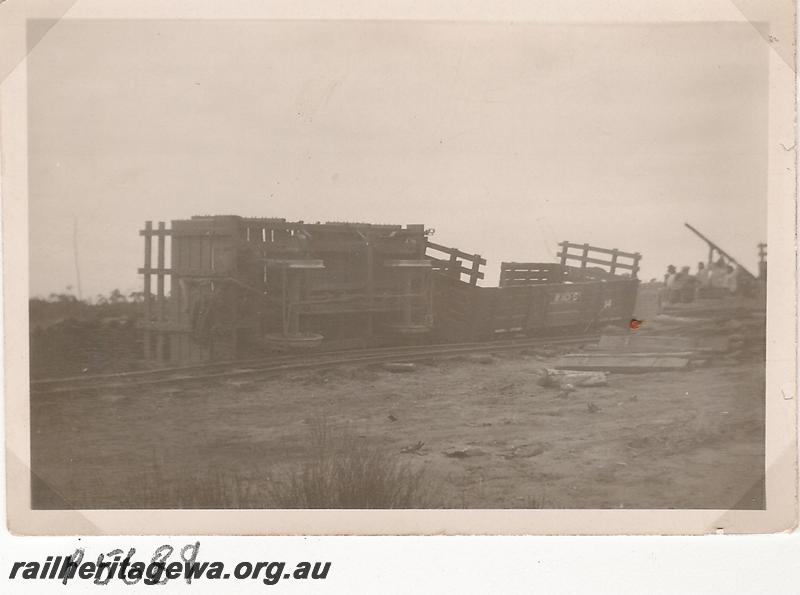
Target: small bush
191, 487
338, 470
344, 471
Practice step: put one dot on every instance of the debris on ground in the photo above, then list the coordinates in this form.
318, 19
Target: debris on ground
592, 408
573, 378
628, 362
565, 391
463, 453
414, 449
399, 367
660, 345
525, 451
480, 358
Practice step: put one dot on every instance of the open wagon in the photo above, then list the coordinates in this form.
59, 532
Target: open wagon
589, 288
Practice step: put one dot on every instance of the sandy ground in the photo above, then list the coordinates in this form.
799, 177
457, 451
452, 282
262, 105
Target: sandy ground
681, 439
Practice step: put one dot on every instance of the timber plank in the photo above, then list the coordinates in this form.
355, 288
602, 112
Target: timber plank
628, 363
658, 343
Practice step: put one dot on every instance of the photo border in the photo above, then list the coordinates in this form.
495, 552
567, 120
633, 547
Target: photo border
781, 408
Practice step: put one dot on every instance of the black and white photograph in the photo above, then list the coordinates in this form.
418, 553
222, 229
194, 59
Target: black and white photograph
408, 265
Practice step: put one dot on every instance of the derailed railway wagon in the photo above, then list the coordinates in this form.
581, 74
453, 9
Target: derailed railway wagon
589, 288
226, 287
236, 286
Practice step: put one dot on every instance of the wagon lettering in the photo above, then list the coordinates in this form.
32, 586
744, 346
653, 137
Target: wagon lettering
566, 297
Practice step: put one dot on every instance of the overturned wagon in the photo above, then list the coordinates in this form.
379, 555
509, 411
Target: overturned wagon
222, 287
226, 286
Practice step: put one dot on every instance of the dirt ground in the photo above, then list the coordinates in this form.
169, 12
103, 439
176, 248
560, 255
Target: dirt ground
678, 439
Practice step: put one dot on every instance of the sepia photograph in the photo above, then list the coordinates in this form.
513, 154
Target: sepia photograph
408, 265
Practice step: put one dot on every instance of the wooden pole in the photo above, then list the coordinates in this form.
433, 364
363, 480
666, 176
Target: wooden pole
148, 260
454, 266
614, 261
635, 270
160, 301
476, 265
75, 255
718, 249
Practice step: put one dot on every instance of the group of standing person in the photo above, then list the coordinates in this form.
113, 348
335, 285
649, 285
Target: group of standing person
721, 278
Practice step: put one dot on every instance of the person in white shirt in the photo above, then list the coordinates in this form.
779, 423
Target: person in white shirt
731, 279
702, 274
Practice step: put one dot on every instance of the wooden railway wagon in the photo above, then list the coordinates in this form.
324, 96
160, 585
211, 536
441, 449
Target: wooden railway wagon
538, 298
237, 285
228, 287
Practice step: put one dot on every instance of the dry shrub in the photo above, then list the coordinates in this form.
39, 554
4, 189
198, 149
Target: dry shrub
193, 488
339, 470
344, 471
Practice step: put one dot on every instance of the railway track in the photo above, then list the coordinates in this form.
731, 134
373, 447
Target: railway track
254, 368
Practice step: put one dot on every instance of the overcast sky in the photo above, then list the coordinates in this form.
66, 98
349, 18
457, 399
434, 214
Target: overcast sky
505, 138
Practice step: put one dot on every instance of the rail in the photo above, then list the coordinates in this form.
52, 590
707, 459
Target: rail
259, 367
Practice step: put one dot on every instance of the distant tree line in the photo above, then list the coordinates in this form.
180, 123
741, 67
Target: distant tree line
114, 297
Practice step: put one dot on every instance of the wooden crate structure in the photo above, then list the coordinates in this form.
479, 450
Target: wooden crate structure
233, 283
